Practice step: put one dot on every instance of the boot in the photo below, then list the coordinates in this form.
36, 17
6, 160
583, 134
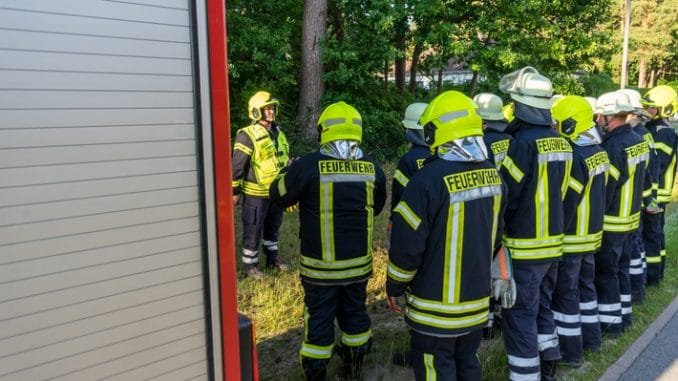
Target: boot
314, 370
252, 271
548, 370
273, 260
352, 360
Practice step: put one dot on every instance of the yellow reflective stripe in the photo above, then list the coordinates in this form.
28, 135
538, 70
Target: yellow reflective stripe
336, 264
614, 172
369, 207
513, 169
541, 201
357, 339
399, 274
536, 254
663, 147
429, 368
584, 211
664, 193
236, 183
327, 220
402, 179
454, 241
621, 219
446, 322
336, 275
447, 308
282, 189
315, 351
580, 247
496, 206
647, 192
662, 252
566, 178
242, 148
575, 185
653, 260
583, 238
254, 189
408, 215
627, 191
533, 243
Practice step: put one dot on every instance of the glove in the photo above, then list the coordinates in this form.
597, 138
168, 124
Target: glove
653, 208
389, 227
503, 285
395, 290
394, 304
293, 208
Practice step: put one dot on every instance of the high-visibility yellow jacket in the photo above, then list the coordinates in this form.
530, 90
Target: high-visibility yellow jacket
258, 156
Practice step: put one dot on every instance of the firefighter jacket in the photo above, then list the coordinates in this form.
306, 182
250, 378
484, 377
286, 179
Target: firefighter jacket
629, 155
408, 164
651, 185
497, 145
537, 171
338, 200
445, 229
585, 200
665, 143
258, 157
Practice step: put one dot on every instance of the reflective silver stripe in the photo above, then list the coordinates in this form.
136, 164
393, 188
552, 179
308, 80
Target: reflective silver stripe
588, 305
636, 271
570, 332
523, 362
336, 274
627, 310
250, 260
475, 193
356, 339
401, 178
249, 253
336, 264
316, 351
608, 319
625, 297
447, 117
638, 159
345, 178
609, 307
636, 262
602, 168
335, 121
432, 305
446, 323
431, 374
453, 254
513, 376
408, 215
566, 318
499, 158
399, 274
590, 319
549, 341
554, 156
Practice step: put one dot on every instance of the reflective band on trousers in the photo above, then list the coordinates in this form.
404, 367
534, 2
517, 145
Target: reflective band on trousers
523, 362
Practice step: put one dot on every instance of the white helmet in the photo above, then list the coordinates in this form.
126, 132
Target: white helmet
634, 97
593, 102
412, 114
528, 87
489, 106
614, 103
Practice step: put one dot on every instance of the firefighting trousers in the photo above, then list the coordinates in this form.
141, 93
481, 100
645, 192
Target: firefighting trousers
662, 252
588, 303
637, 266
528, 328
445, 358
259, 216
653, 238
625, 284
608, 282
324, 304
565, 306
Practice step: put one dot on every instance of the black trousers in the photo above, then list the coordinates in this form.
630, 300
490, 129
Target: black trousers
259, 216
653, 238
610, 283
446, 358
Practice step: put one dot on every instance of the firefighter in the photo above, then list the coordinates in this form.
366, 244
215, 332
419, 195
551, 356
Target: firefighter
260, 152
494, 126
650, 210
660, 102
411, 161
445, 230
584, 209
628, 154
339, 190
536, 169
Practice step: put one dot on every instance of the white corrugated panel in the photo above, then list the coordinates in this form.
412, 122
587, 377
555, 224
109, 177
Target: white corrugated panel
101, 256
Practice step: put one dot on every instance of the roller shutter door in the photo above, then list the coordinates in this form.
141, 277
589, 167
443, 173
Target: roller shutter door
101, 255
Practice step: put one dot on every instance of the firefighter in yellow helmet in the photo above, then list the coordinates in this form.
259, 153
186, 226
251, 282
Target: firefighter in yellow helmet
536, 170
446, 228
574, 298
260, 152
339, 190
661, 103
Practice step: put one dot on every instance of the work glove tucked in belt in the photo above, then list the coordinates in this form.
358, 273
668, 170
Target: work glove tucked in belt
503, 285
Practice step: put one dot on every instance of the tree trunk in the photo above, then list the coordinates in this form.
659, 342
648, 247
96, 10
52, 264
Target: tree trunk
413, 67
311, 86
653, 77
642, 73
474, 82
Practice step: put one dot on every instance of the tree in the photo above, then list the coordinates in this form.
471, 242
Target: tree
312, 85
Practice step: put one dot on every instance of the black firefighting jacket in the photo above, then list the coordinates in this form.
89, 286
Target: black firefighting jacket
445, 229
497, 145
651, 185
338, 200
629, 155
585, 200
537, 171
408, 164
666, 143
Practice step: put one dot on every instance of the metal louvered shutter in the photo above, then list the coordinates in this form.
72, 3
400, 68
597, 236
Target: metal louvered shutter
101, 255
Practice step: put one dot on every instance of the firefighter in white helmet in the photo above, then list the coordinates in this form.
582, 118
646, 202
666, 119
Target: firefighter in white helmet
494, 126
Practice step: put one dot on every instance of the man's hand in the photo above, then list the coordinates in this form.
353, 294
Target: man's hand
236, 198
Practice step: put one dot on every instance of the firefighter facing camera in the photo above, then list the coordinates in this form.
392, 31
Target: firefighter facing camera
448, 277
260, 152
339, 190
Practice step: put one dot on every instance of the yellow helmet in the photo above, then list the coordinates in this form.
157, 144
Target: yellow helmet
340, 121
574, 114
257, 103
451, 115
508, 111
663, 98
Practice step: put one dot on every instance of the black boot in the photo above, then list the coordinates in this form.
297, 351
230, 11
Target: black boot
548, 370
314, 370
273, 261
352, 360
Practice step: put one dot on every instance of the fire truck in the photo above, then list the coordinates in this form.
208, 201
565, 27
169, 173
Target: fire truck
116, 223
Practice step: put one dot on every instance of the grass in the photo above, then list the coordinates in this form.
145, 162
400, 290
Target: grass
276, 307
